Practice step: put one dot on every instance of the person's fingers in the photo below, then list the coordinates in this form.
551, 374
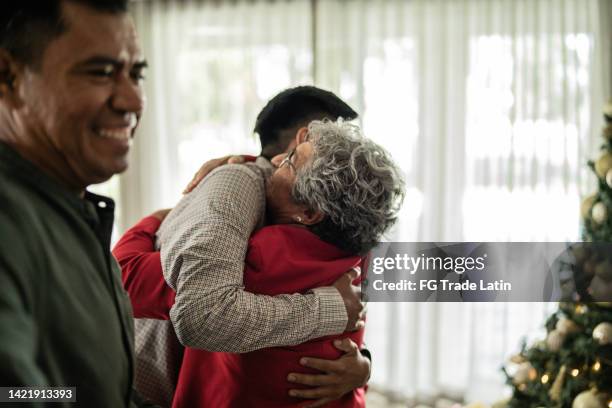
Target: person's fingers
319, 403
203, 172
354, 273
346, 345
359, 325
189, 187
364, 311
312, 393
328, 366
195, 180
351, 295
161, 214
236, 160
312, 379
357, 292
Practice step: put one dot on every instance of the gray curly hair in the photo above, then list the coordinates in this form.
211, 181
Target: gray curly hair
353, 182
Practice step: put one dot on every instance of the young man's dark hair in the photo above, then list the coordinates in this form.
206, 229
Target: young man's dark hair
293, 108
27, 26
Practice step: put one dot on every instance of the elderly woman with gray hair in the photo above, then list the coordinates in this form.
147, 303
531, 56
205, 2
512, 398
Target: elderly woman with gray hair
327, 203
330, 199
346, 187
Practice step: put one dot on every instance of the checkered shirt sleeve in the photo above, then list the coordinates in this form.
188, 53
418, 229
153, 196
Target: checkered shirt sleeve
158, 356
203, 246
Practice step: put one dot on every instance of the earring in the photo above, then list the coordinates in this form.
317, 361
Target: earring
298, 218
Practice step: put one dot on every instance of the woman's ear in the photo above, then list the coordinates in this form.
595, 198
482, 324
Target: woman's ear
301, 135
309, 217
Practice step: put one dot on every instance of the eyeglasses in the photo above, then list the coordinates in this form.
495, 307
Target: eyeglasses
288, 161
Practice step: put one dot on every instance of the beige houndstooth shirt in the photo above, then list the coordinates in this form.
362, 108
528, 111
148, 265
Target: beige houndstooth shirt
203, 243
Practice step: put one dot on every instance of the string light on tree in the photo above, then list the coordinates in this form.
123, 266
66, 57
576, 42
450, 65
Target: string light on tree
596, 366
581, 309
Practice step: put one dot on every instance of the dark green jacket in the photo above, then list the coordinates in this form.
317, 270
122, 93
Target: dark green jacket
65, 319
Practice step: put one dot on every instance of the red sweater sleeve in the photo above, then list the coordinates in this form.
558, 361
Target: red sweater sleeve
141, 271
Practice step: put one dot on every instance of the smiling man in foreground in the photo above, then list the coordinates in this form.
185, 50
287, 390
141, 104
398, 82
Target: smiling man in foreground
70, 100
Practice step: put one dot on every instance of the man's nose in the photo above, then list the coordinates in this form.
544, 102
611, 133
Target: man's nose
128, 96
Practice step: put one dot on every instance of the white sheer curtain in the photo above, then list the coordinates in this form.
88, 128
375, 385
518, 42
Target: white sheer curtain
213, 67
491, 107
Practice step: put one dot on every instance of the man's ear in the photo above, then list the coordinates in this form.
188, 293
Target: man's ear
11, 73
309, 217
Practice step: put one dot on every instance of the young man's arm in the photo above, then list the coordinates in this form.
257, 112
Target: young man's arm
142, 275
203, 250
141, 270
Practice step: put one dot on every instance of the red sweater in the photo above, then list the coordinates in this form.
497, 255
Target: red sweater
280, 259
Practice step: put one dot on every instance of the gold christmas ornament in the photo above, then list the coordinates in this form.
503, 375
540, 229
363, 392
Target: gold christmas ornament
609, 178
589, 267
607, 109
604, 270
555, 389
602, 333
555, 340
568, 289
517, 359
525, 372
545, 378
501, 404
476, 405
540, 344
589, 399
587, 204
600, 290
581, 254
603, 164
567, 326
599, 213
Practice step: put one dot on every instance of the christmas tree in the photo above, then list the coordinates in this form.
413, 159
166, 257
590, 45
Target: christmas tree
572, 368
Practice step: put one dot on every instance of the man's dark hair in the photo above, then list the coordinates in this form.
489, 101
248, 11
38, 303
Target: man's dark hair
292, 108
27, 26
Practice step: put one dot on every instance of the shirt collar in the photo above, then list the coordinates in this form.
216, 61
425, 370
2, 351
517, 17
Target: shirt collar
91, 206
